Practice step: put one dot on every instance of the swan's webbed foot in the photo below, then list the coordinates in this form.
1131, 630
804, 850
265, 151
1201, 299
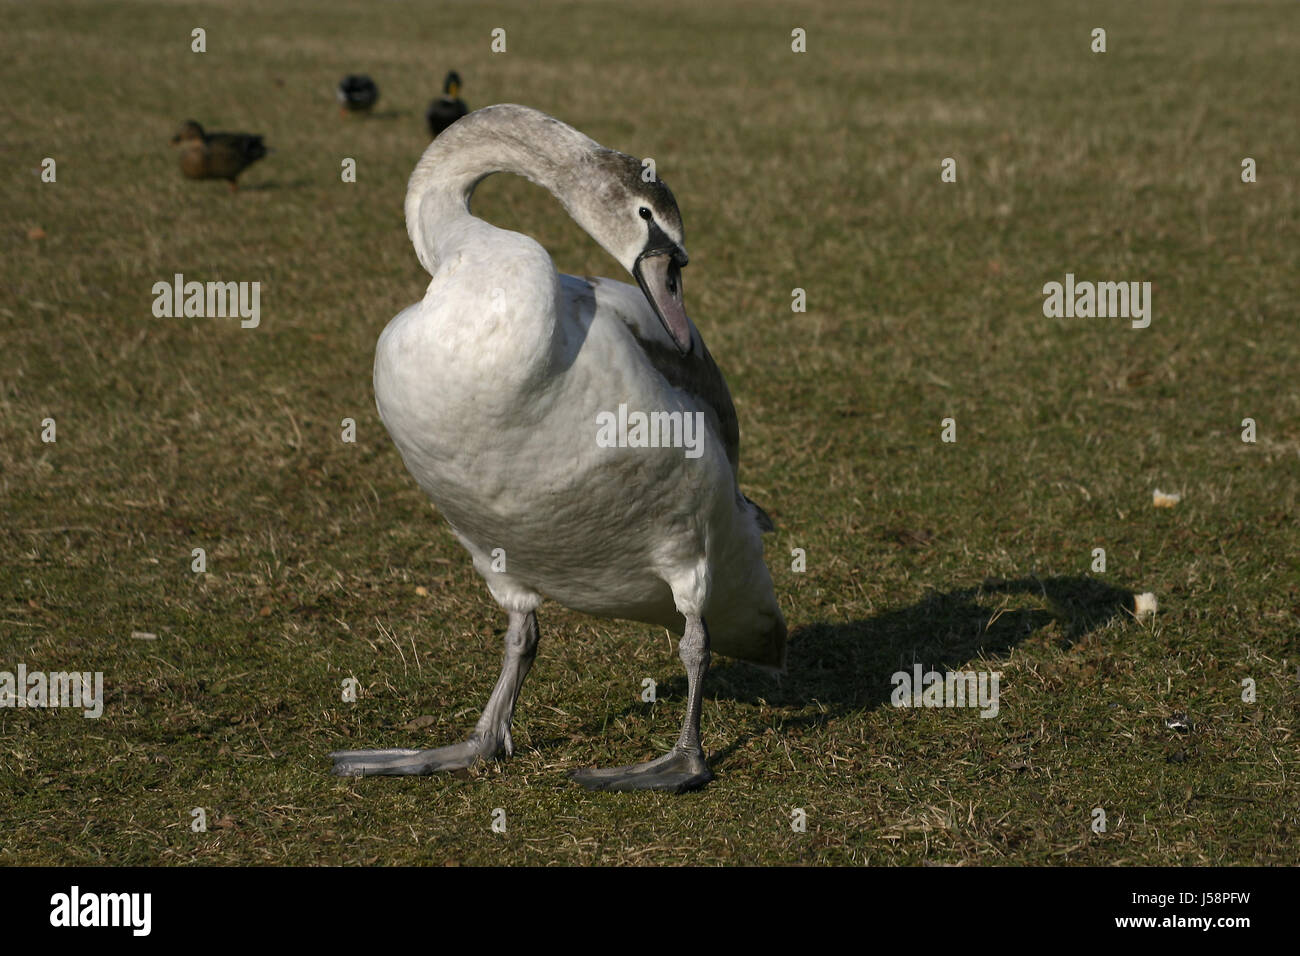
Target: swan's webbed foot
676, 772
372, 763
682, 768
490, 739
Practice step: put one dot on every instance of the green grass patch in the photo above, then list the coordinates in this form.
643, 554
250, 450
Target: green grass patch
818, 171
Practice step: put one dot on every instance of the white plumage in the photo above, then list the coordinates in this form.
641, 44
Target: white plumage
491, 387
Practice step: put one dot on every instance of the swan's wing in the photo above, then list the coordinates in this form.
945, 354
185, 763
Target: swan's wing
694, 373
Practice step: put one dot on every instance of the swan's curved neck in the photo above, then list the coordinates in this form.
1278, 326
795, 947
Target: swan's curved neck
497, 139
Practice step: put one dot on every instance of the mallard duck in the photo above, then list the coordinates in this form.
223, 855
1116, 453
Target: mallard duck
216, 155
447, 108
494, 388
357, 93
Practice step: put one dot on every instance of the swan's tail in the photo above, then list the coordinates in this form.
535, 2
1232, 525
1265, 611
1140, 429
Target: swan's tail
744, 618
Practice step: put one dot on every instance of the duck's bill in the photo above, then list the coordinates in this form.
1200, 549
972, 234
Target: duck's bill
660, 278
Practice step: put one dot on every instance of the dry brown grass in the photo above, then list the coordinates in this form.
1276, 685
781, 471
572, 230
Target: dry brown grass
818, 171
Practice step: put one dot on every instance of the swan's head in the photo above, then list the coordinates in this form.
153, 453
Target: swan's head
639, 225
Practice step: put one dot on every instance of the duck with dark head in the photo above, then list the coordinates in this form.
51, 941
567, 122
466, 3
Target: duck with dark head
356, 93
447, 108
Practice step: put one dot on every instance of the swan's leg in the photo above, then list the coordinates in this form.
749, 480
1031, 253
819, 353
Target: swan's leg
682, 768
491, 735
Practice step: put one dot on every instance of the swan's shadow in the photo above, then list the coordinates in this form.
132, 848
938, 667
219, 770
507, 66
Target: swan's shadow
848, 667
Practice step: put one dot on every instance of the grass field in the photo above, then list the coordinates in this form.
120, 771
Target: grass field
924, 301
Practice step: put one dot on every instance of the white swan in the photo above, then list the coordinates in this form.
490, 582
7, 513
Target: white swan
493, 388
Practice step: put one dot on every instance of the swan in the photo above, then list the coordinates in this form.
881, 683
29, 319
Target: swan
492, 388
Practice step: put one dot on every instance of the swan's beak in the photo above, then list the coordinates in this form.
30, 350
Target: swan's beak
659, 273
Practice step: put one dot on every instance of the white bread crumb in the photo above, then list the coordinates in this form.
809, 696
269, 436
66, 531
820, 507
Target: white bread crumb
1145, 605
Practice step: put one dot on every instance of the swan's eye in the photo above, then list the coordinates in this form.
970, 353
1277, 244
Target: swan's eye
644, 212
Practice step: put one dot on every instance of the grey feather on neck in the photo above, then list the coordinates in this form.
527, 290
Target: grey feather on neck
598, 187
497, 139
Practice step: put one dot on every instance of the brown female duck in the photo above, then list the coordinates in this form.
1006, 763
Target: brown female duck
216, 155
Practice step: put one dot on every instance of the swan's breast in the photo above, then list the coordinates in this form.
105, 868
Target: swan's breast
522, 462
